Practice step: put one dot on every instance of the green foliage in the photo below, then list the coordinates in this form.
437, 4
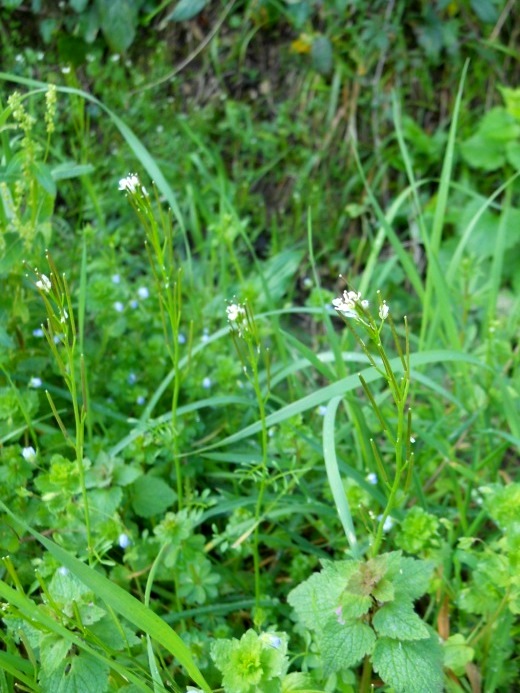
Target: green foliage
184, 434
355, 609
255, 662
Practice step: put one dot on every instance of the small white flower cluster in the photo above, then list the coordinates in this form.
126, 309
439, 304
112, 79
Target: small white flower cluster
132, 184
351, 305
235, 311
347, 304
237, 317
44, 283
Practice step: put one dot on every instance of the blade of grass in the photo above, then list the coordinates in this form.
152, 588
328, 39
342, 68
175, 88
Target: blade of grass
433, 274
334, 477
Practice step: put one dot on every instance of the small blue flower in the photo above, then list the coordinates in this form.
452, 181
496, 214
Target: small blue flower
124, 540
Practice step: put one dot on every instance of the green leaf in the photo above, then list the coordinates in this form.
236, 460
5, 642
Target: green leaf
321, 55
118, 635
253, 663
343, 645
512, 100
503, 503
118, 20
12, 253
412, 579
457, 654
318, 598
410, 667
151, 496
481, 153
70, 169
416, 530
53, 651
186, 9
78, 5
486, 149
513, 154
485, 10
79, 672
399, 621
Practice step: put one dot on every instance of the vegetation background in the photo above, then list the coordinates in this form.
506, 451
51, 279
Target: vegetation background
196, 487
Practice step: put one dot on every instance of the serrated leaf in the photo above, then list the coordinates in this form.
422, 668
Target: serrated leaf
412, 579
344, 645
410, 667
151, 496
118, 635
53, 651
77, 673
317, 599
185, 10
352, 606
398, 620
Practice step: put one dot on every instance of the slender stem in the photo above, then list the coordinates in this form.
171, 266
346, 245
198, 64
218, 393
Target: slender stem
263, 478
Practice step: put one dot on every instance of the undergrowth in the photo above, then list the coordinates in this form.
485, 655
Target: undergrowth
242, 448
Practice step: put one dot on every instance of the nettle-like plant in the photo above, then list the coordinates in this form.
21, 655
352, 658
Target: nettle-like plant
363, 609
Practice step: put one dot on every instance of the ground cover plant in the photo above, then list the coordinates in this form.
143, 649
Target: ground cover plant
259, 379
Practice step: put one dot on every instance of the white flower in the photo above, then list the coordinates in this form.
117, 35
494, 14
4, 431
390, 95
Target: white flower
372, 478
322, 410
44, 283
29, 454
140, 400
35, 382
132, 379
206, 383
119, 307
346, 307
116, 279
234, 311
62, 570
181, 338
38, 332
143, 292
131, 183
65, 69
383, 311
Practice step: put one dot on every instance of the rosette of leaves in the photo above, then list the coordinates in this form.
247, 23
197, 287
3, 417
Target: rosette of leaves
358, 609
253, 663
